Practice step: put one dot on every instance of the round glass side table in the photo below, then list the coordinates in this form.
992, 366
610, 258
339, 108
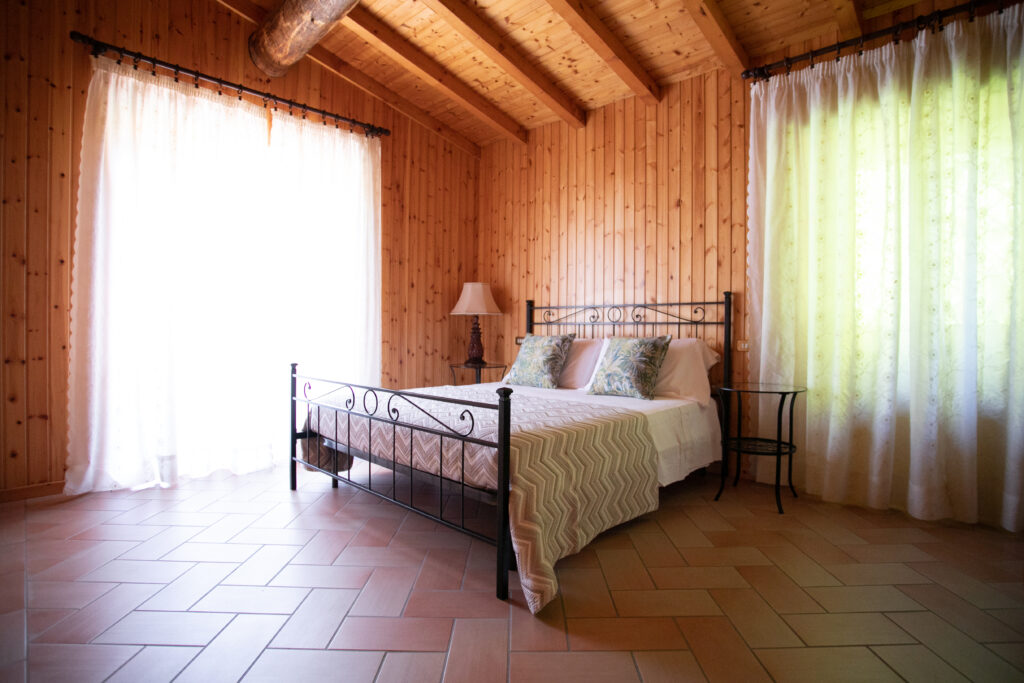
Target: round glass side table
755, 445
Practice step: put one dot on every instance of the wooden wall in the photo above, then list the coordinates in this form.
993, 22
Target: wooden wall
429, 209
646, 203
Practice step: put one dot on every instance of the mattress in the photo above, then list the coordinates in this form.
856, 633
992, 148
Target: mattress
579, 464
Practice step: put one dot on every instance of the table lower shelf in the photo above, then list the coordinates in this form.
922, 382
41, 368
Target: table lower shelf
755, 445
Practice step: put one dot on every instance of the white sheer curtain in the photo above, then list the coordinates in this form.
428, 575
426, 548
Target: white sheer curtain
214, 246
886, 265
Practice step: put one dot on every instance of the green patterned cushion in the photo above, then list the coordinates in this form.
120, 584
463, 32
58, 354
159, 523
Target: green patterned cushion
540, 360
629, 366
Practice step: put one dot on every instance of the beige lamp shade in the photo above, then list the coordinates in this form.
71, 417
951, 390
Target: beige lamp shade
476, 299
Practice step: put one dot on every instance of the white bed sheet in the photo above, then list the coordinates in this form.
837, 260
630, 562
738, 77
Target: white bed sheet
686, 435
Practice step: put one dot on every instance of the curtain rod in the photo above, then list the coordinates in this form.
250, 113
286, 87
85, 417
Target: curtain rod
99, 47
933, 20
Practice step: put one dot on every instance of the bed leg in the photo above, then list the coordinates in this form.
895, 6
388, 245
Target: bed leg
334, 483
504, 536
292, 436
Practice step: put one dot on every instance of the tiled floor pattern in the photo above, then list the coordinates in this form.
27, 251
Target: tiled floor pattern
231, 578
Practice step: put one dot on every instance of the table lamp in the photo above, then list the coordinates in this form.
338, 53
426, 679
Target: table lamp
476, 300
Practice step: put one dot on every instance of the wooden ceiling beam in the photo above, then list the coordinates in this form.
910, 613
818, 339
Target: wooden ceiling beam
585, 22
506, 55
708, 17
848, 19
383, 37
254, 14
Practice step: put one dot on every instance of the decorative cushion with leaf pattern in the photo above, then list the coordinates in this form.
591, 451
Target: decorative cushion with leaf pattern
630, 366
540, 360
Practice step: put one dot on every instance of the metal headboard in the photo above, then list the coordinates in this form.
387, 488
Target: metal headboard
681, 316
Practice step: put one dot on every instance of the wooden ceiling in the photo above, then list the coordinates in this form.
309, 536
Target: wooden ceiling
482, 70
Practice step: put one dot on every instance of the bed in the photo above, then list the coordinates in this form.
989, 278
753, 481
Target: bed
539, 472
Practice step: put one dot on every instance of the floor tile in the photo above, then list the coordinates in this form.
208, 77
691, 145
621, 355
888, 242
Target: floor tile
251, 600
164, 628
869, 628
211, 552
863, 599
464, 604
225, 529
274, 666
1011, 652
887, 552
161, 544
155, 664
234, 649
13, 640
318, 576
385, 593
707, 518
801, 568
119, 532
979, 594
84, 562
720, 651
833, 664
99, 615
389, 633
315, 622
544, 631
138, 571
980, 626
572, 667
188, 588
779, 590
585, 593
61, 594
79, 663
697, 577
374, 556
968, 657
724, 557
478, 651
262, 566
664, 603
756, 621
627, 633
324, 548
875, 574
299, 537
917, 664
38, 620
668, 667
624, 570
411, 667
442, 569
656, 549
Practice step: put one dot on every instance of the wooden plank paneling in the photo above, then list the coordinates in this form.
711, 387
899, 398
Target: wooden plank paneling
429, 205
657, 207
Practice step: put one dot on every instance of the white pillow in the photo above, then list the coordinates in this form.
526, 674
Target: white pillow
684, 374
579, 367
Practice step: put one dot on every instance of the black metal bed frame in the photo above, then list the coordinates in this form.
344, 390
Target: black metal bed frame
385, 406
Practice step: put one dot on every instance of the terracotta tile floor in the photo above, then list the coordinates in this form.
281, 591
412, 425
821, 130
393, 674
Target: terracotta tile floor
237, 578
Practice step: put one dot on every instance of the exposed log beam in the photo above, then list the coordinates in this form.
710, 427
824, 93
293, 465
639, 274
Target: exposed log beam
386, 39
715, 27
285, 35
583, 20
848, 19
253, 13
506, 55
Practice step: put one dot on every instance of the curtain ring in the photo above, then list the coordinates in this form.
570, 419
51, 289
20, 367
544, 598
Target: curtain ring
971, 11
303, 112
264, 102
154, 67
175, 74
290, 109
135, 63
789, 64
239, 94
838, 50
120, 56
860, 48
811, 58
195, 80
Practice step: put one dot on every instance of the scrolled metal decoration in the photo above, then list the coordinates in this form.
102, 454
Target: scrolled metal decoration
592, 314
395, 415
376, 402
